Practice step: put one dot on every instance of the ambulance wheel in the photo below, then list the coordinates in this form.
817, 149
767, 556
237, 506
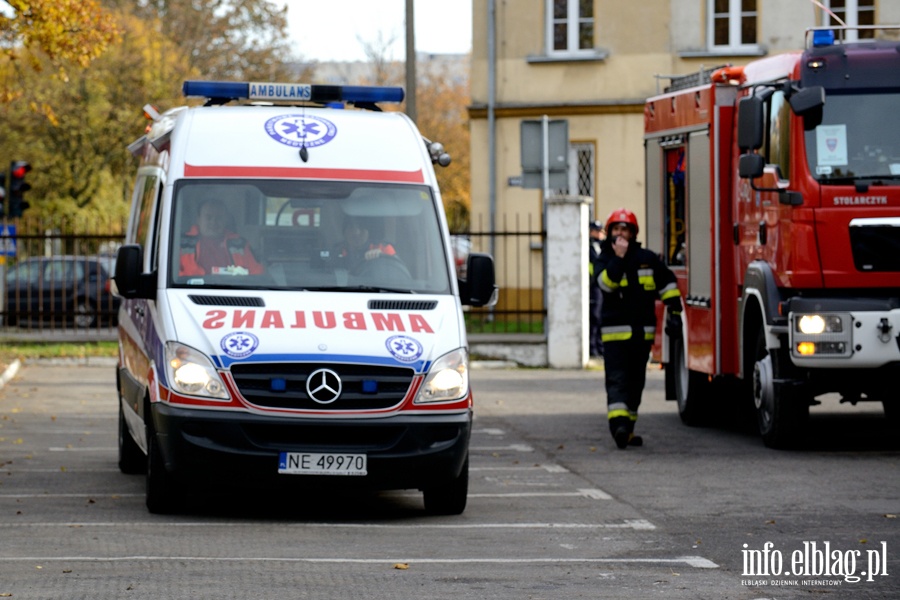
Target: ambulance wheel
691, 387
131, 458
780, 410
449, 498
162, 489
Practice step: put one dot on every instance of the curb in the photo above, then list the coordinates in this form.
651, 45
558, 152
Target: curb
10, 372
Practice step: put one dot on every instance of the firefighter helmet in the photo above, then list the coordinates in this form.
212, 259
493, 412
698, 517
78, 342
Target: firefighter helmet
622, 215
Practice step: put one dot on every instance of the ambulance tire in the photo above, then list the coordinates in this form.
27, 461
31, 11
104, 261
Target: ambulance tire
781, 411
692, 389
131, 458
448, 498
162, 489
892, 413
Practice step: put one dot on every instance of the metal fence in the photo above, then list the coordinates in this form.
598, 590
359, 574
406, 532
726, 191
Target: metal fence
54, 277
517, 245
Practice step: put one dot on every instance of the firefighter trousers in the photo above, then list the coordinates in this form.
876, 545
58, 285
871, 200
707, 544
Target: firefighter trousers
625, 364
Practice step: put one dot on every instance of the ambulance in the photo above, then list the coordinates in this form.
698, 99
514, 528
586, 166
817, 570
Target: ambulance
292, 316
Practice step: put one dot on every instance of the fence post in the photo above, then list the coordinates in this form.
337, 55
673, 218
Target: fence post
566, 281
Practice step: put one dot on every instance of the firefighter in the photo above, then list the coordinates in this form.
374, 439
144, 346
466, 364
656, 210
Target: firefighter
631, 279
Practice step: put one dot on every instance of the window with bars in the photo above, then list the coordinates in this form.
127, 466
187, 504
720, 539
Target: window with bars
570, 26
732, 24
581, 170
853, 13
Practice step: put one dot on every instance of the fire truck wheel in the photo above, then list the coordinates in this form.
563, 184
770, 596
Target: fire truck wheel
449, 498
691, 388
779, 414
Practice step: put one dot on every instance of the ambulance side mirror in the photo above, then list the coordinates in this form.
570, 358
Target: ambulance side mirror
130, 280
479, 288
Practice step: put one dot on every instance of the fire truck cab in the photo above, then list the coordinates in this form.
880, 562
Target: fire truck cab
773, 191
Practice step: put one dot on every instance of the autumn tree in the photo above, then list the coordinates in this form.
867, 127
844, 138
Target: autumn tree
237, 40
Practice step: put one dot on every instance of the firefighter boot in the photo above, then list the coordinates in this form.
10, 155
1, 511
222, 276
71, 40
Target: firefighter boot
622, 436
635, 440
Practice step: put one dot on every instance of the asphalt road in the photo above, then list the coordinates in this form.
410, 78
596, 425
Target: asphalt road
555, 510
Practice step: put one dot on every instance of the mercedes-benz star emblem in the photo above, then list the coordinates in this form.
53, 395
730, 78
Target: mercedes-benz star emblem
323, 386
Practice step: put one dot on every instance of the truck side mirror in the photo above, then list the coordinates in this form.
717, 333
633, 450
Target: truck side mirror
479, 287
750, 123
129, 278
808, 103
750, 166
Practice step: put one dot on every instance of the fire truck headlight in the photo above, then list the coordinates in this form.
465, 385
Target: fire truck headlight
447, 380
191, 372
813, 324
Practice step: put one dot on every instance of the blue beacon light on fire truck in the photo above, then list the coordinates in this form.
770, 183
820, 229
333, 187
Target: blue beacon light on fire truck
291, 92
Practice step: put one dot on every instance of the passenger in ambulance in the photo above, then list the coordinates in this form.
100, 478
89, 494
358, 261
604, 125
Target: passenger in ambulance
210, 247
357, 249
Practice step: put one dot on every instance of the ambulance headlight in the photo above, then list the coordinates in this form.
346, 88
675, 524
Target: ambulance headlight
447, 380
191, 372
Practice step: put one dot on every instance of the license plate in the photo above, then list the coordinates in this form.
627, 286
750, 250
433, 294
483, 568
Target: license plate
311, 463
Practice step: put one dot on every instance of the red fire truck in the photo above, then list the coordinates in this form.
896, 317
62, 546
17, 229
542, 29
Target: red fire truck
773, 193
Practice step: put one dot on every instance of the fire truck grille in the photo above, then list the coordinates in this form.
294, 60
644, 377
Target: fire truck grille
331, 387
876, 248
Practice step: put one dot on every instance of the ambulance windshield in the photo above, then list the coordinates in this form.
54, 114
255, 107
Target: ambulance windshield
855, 143
307, 235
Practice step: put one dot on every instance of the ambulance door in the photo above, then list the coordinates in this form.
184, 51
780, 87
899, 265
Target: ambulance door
135, 334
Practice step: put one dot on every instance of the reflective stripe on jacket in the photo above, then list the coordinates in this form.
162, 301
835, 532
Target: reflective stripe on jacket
631, 286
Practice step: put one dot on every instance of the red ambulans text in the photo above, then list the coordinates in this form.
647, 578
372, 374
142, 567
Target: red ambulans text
316, 319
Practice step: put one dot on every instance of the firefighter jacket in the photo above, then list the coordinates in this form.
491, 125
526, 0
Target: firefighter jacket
630, 287
237, 247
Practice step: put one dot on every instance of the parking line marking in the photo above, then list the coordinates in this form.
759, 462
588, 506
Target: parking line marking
548, 468
637, 524
697, 562
516, 447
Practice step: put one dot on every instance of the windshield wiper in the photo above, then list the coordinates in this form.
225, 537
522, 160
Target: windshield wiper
355, 288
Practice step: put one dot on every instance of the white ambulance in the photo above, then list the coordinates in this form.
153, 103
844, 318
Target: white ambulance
291, 313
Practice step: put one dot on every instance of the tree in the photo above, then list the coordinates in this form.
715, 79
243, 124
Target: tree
63, 31
239, 40
443, 94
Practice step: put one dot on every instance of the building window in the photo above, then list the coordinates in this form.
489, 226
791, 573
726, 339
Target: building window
581, 170
853, 13
570, 26
732, 24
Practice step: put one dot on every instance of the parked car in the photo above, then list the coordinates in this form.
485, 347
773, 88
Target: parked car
61, 290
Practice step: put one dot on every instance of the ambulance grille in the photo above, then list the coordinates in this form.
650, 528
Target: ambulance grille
402, 304
226, 300
363, 387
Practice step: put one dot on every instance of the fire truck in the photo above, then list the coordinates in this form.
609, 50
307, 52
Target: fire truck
773, 193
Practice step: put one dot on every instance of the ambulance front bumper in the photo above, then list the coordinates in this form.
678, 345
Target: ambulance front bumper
403, 451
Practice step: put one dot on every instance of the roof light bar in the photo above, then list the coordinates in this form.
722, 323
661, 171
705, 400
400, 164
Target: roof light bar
291, 92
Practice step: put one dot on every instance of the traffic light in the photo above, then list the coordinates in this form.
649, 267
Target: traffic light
17, 188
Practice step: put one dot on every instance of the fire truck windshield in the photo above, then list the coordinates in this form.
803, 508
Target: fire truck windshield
859, 138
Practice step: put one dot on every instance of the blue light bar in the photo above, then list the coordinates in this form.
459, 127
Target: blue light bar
291, 92
823, 38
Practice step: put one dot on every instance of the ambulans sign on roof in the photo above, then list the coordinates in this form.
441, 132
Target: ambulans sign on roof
280, 91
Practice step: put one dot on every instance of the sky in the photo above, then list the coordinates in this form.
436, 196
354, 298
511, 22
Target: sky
331, 30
